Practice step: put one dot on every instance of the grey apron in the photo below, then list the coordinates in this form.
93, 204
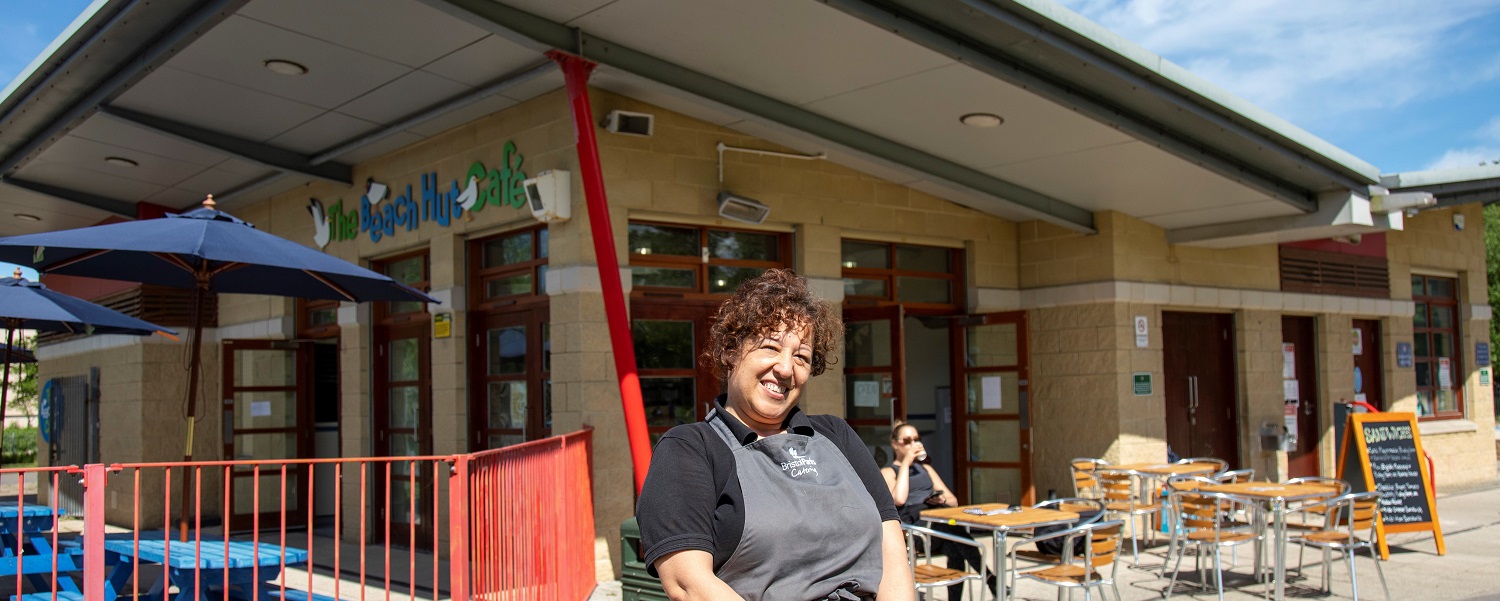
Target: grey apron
812, 532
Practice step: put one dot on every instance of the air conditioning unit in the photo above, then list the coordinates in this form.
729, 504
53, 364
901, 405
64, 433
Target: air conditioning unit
549, 195
628, 123
743, 209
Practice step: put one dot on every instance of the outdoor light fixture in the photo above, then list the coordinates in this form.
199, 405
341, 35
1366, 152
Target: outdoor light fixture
27, 217
743, 209
981, 120
1383, 201
285, 67
121, 162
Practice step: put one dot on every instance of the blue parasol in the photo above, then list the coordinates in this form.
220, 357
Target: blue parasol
28, 305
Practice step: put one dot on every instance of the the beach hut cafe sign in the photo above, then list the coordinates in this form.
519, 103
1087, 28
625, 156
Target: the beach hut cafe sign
380, 218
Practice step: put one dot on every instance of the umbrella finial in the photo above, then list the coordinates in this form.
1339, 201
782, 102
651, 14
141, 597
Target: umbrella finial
18, 273
208, 203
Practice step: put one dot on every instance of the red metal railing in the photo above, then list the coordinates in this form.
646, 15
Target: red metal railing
511, 523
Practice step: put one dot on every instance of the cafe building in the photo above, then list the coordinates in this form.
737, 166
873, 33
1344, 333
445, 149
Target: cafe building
1047, 242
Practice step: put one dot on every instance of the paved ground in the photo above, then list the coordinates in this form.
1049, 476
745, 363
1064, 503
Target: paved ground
1470, 569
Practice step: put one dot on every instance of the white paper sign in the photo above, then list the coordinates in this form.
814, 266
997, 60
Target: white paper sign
1289, 390
1359, 397
1142, 332
1288, 361
990, 399
260, 408
866, 394
1445, 373
1359, 343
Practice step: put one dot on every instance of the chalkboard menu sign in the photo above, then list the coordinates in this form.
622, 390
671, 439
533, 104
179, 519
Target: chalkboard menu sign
1383, 452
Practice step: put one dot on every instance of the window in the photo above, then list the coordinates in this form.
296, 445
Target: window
510, 268
915, 276
1434, 347
412, 271
688, 259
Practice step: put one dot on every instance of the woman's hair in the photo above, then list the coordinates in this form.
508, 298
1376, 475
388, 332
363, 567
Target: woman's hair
896, 429
777, 298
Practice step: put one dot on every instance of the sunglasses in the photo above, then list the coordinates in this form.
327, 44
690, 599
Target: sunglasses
909, 440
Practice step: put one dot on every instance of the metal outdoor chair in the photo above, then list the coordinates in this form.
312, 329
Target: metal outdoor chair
1206, 522
1090, 510
1311, 513
1223, 465
1086, 550
1085, 485
928, 575
1130, 495
1345, 516
1235, 476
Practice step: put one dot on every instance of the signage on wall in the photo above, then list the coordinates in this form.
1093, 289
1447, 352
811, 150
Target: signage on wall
1481, 354
1142, 332
1403, 354
374, 216
1141, 383
442, 325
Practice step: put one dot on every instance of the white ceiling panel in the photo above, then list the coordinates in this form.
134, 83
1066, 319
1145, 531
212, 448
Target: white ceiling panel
242, 167
644, 90
88, 155
144, 144
923, 111
178, 199
326, 131
237, 49
1133, 178
481, 62
464, 115
215, 181
1240, 212
561, 11
536, 87
215, 105
98, 182
55, 214
411, 92
391, 29
379, 148
792, 50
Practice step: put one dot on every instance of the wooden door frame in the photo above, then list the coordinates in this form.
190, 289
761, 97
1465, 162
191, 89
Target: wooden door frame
958, 353
532, 316
1229, 367
897, 316
706, 384
302, 387
1309, 406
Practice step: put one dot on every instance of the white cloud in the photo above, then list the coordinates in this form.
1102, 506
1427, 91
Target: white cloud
1465, 157
1491, 131
1311, 60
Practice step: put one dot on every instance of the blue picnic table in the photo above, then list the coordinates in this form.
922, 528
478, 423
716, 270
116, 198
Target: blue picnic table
26, 548
202, 571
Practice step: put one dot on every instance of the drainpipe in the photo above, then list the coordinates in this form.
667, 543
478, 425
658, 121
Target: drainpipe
576, 72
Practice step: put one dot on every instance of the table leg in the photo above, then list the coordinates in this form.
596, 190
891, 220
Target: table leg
1000, 580
1278, 507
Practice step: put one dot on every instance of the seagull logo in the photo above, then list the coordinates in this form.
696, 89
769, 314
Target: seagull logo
470, 194
320, 223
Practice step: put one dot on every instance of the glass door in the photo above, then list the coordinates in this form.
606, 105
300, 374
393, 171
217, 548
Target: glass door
266, 418
669, 340
513, 400
874, 375
994, 430
404, 429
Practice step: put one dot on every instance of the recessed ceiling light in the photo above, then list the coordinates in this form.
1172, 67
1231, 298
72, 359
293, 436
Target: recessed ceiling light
27, 217
121, 162
981, 120
284, 67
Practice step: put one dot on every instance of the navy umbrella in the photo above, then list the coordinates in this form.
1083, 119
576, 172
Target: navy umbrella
28, 305
207, 250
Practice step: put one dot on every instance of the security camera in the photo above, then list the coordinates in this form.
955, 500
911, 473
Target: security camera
549, 195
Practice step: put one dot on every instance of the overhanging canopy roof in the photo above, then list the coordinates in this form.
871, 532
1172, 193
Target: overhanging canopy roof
1092, 122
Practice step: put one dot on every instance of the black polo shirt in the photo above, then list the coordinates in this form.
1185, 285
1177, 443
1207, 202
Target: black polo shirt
692, 497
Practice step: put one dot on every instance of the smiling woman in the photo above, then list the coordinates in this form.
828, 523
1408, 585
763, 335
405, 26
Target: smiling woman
761, 500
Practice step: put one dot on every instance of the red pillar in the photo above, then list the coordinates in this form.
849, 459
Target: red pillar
576, 71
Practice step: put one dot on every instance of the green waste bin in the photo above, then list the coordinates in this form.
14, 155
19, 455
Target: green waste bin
635, 582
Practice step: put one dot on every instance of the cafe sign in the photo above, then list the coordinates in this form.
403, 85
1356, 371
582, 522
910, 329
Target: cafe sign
379, 218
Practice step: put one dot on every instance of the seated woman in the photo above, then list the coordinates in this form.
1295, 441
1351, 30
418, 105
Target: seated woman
916, 486
761, 501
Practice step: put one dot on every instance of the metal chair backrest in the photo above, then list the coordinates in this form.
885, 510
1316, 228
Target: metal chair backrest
1177, 483
1353, 513
1125, 486
1235, 476
1092, 510
1085, 484
1211, 511
1343, 487
1223, 465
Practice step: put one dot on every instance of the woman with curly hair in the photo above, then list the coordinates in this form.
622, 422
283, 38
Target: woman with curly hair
761, 501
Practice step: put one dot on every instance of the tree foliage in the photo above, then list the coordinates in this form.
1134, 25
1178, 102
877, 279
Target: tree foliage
1492, 265
23, 389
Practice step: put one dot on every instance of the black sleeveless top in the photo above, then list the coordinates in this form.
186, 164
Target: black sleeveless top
918, 489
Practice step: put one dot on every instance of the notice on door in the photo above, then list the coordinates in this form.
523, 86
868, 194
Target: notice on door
1445, 373
866, 394
990, 393
1288, 361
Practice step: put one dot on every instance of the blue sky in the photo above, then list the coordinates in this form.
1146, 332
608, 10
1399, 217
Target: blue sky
1406, 85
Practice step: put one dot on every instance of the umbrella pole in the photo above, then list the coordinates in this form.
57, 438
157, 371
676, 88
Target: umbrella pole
10, 345
192, 408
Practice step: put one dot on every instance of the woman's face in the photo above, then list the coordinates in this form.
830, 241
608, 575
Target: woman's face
907, 441
767, 381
